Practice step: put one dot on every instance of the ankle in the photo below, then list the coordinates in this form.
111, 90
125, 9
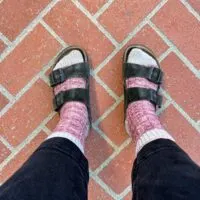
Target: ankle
74, 120
141, 117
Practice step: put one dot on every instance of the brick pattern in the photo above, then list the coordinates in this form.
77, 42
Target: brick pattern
33, 32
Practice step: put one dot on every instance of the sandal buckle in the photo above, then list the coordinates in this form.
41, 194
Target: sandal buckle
156, 75
159, 101
59, 76
58, 101
160, 77
56, 77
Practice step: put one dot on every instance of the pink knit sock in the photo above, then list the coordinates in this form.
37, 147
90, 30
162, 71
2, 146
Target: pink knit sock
142, 123
74, 123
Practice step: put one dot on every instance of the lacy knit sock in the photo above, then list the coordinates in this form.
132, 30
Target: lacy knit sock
142, 123
74, 123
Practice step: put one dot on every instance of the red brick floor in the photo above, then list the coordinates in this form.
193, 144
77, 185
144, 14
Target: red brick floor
33, 32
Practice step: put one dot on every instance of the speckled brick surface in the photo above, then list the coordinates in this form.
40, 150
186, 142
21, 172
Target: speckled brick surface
31, 35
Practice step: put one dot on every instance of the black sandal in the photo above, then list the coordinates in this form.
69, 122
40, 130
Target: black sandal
79, 70
153, 74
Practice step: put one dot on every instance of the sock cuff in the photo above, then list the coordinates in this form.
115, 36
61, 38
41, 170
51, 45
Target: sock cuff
68, 136
150, 136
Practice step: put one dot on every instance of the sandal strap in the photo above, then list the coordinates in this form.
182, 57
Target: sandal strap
80, 70
78, 94
153, 74
136, 94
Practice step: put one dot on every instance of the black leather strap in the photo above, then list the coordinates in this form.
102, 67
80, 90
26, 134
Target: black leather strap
78, 94
136, 94
153, 74
60, 75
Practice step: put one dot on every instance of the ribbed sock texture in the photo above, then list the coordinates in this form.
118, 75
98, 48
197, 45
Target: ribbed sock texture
73, 124
142, 123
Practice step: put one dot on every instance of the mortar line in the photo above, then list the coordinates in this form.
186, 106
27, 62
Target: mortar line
112, 156
110, 92
104, 186
95, 22
53, 33
165, 54
103, 9
191, 9
125, 192
181, 110
5, 40
131, 35
6, 93
163, 108
46, 130
104, 136
26, 141
184, 59
27, 30
108, 111
6, 143
45, 79
26, 87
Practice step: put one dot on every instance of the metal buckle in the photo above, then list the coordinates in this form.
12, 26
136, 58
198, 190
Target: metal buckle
156, 75
59, 76
159, 77
58, 101
159, 101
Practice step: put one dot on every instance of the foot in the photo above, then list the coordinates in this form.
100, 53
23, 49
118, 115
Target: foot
141, 115
74, 123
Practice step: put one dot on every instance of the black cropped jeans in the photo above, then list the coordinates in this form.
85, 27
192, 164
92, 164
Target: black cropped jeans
58, 170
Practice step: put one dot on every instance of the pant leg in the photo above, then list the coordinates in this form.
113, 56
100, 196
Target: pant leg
163, 171
57, 170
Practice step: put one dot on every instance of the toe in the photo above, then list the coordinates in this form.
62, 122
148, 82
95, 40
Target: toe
73, 57
140, 57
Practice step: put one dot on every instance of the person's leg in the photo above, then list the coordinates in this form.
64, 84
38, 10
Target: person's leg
58, 169
161, 170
